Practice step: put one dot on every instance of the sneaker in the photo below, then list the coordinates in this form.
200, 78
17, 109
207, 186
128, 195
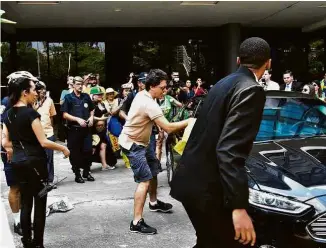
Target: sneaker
18, 229
108, 167
89, 177
142, 228
161, 207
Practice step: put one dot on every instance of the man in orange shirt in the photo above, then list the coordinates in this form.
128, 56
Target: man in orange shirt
45, 107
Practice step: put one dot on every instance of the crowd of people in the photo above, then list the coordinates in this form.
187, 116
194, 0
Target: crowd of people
102, 125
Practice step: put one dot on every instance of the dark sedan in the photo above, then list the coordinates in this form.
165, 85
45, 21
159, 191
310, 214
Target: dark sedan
286, 171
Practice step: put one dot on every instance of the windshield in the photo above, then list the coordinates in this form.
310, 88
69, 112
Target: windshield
285, 118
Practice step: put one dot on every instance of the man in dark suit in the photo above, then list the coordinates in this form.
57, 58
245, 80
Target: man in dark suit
289, 83
211, 179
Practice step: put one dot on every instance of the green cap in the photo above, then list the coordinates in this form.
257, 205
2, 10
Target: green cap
96, 91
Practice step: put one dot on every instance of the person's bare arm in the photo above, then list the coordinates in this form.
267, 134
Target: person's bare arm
70, 117
91, 119
177, 103
168, 127
45, 143
122, 115
103, 118
6, 143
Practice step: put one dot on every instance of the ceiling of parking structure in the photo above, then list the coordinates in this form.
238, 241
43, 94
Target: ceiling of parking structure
91, 14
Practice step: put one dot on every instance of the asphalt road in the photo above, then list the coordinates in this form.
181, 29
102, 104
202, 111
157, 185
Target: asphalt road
103, 211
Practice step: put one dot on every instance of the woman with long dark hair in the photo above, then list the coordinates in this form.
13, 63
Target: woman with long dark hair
25, 141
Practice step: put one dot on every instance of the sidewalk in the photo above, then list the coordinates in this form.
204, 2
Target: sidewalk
103, 210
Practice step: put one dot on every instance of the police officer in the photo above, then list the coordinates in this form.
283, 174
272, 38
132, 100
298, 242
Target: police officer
78, 110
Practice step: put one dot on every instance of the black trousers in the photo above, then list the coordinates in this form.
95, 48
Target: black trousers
80, 146
213, 224
30, 185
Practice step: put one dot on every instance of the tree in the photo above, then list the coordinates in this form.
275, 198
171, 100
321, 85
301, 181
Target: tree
316, 58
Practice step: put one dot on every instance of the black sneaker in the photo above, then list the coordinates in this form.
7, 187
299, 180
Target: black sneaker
79, 179
18, 229
142, 228
89, 177
161, 207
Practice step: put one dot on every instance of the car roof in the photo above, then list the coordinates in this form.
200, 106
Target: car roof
287, 94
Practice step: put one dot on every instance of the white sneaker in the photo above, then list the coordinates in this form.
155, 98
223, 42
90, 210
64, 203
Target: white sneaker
108, 168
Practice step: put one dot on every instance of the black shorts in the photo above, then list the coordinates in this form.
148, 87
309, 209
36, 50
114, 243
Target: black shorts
9, 174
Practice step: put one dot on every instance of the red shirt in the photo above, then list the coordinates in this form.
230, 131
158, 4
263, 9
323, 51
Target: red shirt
200, 91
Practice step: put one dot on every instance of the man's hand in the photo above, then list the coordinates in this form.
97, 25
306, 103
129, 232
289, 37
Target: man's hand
66, 152
90, 121
9, 154
243, 227
81, 122
131, 75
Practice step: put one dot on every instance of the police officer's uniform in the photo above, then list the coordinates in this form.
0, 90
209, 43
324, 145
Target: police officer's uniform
79, 138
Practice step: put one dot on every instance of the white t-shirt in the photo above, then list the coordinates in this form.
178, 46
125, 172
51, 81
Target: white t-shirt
271, 85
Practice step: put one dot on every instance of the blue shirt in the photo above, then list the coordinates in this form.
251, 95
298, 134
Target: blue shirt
5, 103
77, 106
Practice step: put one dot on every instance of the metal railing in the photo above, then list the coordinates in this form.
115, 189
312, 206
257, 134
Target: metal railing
183, 58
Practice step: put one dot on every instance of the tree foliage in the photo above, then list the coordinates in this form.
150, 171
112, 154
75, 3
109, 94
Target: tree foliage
316, 58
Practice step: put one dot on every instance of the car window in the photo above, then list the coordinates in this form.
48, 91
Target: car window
285, 118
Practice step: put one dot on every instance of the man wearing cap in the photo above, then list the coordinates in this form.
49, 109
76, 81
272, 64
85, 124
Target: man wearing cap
45, 107
92, 82
78, 110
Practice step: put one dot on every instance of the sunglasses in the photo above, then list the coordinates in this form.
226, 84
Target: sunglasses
162, 88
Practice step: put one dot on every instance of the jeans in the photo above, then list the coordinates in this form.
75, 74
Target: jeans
50, 163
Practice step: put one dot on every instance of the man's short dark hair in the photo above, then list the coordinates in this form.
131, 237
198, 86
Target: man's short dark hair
154, 78
254, 52
288, 72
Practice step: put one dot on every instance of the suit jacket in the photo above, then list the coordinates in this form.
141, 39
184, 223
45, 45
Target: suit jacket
296, 86
213, 163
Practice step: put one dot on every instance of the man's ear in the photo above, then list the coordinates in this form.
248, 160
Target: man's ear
238, 61
269, 64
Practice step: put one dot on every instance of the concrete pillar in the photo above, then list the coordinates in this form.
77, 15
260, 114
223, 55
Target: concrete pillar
13, 55
118, 63
231, 36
